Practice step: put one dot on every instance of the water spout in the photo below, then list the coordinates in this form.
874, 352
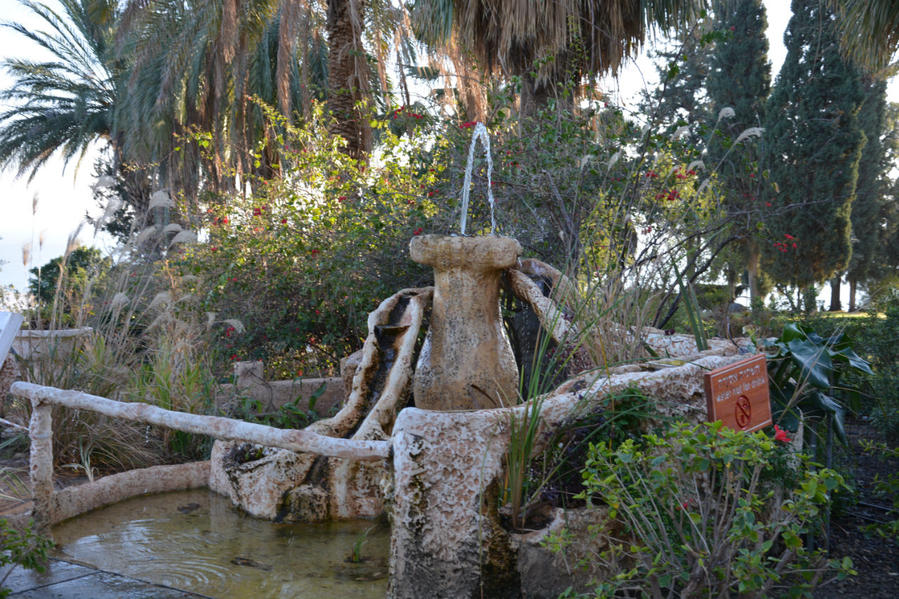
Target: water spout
480, 132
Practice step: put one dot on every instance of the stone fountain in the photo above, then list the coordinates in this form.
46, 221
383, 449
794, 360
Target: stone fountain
466, 362
446, 406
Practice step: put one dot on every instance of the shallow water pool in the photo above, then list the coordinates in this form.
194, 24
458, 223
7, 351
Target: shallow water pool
196, 541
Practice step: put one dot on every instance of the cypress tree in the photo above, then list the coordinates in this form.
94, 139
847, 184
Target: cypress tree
740, 79
813, 145
870, 190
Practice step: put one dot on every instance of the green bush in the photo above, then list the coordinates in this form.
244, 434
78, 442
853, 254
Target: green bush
20, 548
302, 260
706, 511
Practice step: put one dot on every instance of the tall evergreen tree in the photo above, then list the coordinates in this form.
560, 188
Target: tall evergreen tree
813, 145
739, 79
680, 97
870, 191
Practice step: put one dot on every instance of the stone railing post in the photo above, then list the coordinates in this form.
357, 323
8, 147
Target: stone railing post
446, 540
41, 468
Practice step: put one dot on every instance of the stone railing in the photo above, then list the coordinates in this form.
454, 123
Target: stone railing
51, 506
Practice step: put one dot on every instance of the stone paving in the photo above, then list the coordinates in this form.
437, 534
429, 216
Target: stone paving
65, 580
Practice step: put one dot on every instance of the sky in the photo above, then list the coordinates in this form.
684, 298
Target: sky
63, 192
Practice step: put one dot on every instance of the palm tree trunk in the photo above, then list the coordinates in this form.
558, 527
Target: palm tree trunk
287, 37
471, 93
348, 76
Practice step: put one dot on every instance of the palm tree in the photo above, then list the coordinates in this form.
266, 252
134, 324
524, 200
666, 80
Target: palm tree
348, 75
870, 30
549, 43
189, 70
67, 102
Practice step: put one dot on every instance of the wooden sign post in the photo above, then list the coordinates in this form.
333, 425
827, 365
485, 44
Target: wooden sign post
737, 394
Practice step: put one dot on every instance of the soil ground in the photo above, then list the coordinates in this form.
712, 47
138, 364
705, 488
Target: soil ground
875, 557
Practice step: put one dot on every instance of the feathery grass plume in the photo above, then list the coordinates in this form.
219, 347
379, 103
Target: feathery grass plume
26, 254
73, 243
163, 298
35, 200
614, 159
186, 298
681, 132
112, 206
184, 237
104, 182
172, 228
145, 235
235, 324
696, 164
749, 133
160, 199
118, 301
210, 319
40, 239
725, 113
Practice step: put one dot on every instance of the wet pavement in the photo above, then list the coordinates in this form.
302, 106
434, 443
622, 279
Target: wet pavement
65, 580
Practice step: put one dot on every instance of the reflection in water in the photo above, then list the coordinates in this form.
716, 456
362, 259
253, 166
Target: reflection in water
196, 541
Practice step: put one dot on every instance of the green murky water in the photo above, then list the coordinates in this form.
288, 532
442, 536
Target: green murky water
196, 541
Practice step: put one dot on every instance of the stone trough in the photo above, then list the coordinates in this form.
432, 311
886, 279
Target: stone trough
426, 424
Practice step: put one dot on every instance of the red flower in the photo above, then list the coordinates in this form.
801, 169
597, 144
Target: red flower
341, 199
283, 221
417, 231
257, 211
768, 204
233, 357
313, 252
213, 248
780, 435
225, 220
733, 28
468, 124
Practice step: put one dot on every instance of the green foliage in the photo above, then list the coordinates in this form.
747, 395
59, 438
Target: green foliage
806, 373
20, 548
64, 102
290, 415
522, 437
78, 268
871, 189
302, 260
707, 511
810, 126
543, 467
740, 79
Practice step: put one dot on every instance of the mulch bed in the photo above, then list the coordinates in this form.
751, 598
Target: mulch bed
874, 557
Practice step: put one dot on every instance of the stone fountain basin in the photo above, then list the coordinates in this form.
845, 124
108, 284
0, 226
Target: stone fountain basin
475, 253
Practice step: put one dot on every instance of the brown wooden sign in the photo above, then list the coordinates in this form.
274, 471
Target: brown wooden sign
737, 394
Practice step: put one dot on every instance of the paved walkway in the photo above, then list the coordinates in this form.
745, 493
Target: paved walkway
65, 580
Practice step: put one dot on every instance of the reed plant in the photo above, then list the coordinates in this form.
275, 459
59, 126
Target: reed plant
147, 342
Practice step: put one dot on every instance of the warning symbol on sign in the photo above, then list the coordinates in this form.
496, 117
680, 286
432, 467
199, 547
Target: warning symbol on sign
742, 411
737, 394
